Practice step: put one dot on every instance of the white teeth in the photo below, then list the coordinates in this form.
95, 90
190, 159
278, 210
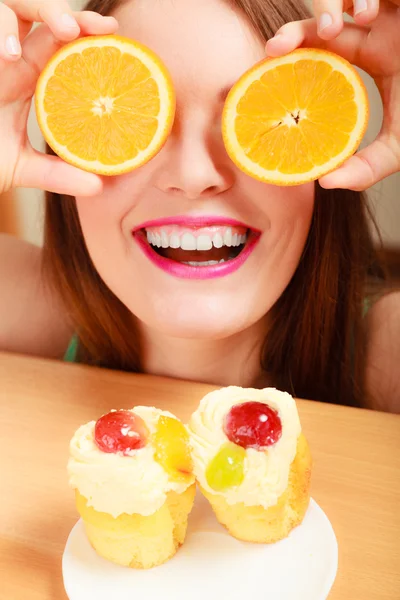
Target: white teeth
188, 242
152, 238
174, 241
164, 239
228, 237
201, 242
204, 242
209, 263
218, 240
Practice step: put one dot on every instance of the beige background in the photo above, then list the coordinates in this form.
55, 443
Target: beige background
384, 197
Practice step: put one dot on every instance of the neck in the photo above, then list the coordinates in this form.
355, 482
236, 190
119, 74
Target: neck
230, 361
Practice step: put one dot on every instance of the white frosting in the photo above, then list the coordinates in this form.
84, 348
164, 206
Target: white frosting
266, 472
118, 484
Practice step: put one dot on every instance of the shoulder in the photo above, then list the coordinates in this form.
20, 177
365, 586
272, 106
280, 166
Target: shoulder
32, 320
19, 261
383, 354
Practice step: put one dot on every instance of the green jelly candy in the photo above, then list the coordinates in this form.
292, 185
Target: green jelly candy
226, 469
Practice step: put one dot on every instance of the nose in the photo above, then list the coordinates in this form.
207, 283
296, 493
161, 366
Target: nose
194, 163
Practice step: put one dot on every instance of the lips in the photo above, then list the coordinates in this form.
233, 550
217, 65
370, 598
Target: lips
196, 248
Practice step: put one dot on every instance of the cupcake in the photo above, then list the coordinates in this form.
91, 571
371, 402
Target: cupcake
252, 461
134, 485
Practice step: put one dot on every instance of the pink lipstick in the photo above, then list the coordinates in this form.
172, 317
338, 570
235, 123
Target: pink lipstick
197, 247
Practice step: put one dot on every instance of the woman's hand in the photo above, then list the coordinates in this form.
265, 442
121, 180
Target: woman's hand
373, 44
23, 55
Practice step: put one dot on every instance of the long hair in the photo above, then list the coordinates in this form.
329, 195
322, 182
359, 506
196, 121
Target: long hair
315, 343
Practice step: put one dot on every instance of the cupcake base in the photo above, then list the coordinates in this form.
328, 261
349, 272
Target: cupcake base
266, 526
138, 541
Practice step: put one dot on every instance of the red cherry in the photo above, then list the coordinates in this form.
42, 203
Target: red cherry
120, 431
253, 425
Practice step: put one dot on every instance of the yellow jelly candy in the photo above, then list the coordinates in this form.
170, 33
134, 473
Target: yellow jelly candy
172, 449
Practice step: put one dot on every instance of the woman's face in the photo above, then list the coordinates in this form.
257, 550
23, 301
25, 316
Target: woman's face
194, 187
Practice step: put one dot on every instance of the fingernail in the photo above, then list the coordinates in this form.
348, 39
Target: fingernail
360, 6
13, 46
68, 20
325, 21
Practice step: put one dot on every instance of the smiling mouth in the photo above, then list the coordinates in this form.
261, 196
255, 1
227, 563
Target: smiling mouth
199, 246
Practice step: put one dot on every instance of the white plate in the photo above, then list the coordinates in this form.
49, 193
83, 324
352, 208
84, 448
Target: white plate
212, 565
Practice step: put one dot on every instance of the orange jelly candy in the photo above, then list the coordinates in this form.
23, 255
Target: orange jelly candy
172, 449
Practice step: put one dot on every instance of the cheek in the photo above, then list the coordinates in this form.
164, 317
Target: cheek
100, 220
95, 213
292, 216
107, 212
289, 215
297, 205
284, 210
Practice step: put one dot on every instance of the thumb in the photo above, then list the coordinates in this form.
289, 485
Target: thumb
364, 169
47, 172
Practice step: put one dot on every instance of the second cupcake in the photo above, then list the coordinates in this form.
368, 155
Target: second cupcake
252, 461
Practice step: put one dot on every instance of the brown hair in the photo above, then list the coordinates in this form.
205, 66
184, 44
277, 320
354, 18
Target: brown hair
316, 340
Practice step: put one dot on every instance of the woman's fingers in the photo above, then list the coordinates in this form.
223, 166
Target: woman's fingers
57, 14
328, 22
329, 14
305, 33
292, 36
373, 50
91, 23
48, 172
365, 11
40, 45
10, 47
365, 169
22, 166
17, 16
329, 17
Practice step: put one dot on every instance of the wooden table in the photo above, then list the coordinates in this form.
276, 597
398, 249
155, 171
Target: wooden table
356, 476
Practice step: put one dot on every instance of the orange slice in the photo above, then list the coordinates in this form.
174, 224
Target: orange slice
105, 104
292, 119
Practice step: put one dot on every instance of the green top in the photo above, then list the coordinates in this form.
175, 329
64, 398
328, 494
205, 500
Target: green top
72, 350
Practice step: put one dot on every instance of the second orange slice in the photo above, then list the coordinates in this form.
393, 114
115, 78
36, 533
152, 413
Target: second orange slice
292, 119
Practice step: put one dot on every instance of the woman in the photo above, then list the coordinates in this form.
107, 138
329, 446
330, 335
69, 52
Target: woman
292, 315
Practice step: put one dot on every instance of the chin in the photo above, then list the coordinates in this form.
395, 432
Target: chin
194, 324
